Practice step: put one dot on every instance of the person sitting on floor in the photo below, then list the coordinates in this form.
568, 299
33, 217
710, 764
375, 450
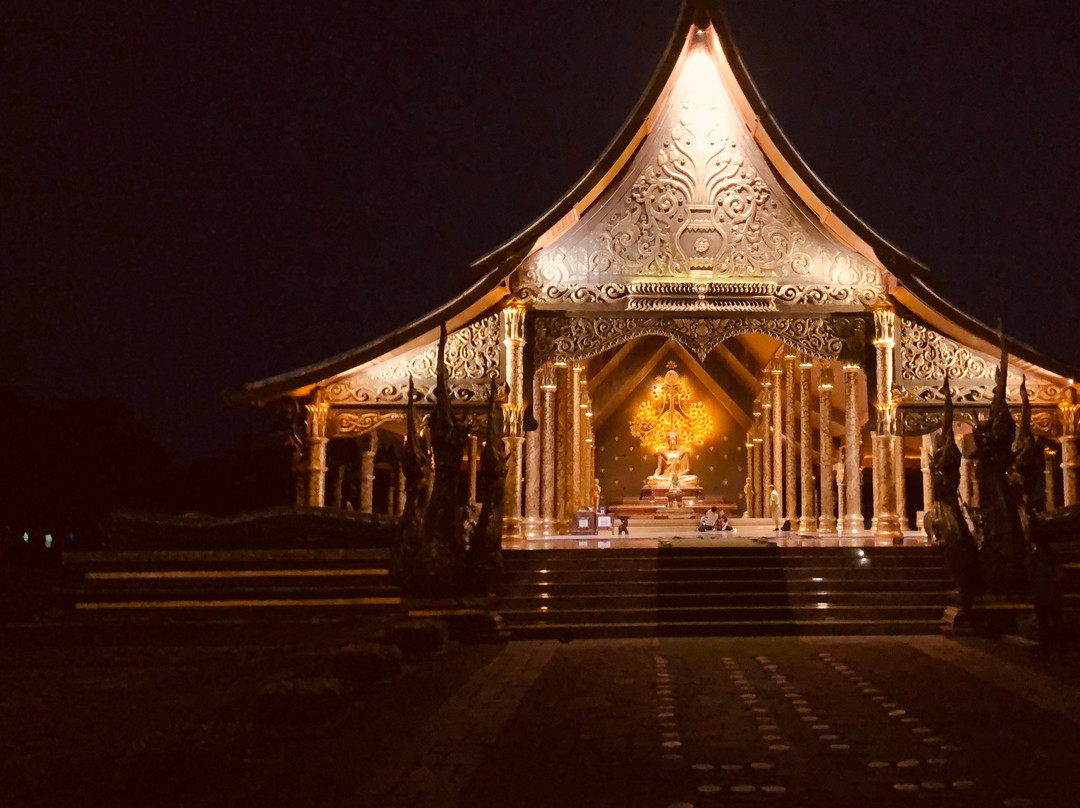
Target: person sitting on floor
724, 524
709, 520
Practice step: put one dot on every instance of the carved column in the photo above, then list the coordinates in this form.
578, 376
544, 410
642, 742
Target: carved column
853, 518
474, 459
564, 456
748, 489
367, 473
513, 331
574, 488
778, 435
790, 499
547, 451
766, 448
759, 476
1070, 463
317, 414
532, 483
925, 453
901, 485
886, 442
399, 491
807, 520
826, 520
1049, 453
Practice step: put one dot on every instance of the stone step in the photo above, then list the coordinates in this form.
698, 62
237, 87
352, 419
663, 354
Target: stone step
757, 628
714, 614
519, 602
560, 589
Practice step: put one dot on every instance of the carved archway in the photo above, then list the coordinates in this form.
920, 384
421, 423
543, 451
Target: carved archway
559, 337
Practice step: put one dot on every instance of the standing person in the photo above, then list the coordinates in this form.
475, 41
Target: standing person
774, 506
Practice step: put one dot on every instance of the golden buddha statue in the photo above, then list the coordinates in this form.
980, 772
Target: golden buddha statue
669, 423
672, 467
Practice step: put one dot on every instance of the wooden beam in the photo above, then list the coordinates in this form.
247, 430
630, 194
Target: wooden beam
610, 365
743, 373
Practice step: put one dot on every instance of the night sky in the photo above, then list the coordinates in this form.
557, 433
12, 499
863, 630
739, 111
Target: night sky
196, 196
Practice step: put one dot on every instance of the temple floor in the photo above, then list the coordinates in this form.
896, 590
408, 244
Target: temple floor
679, 536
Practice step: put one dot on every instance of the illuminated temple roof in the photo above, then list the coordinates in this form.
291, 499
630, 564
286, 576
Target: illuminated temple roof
699, 193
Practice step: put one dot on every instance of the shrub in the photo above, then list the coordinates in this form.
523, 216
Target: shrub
419, 636
183, 760
367, 662
300, 701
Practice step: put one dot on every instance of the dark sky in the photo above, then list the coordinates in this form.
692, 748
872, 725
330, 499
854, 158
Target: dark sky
196, 196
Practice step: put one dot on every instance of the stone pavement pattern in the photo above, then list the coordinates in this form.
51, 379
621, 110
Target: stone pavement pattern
708, 722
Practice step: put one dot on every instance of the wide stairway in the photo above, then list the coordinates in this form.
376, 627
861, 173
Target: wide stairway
709, 591
188, 586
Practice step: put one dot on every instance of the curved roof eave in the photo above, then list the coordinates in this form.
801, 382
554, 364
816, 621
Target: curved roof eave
489, 271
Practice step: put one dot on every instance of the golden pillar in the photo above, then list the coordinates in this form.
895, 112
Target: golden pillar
853, 518
367, 473
790, 499
778, 433
474, 461
826, 520
1049, 453
399, 490
766, 449
547, 448
807, 520
926, 451
513, 331
886, 443
748, 488
533, 463
317, 414
576, 438
1070, 463
759, 468
564, 456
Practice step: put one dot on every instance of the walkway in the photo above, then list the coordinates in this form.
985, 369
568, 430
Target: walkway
685, 722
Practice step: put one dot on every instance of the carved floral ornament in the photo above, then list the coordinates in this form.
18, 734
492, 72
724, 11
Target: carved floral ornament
920, 421
472, 359
699, 201
561, 337
926, 355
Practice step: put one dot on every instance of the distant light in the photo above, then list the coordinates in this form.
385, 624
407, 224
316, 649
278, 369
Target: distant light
817, 580
26, 537
48, 540
822, 605
860, 553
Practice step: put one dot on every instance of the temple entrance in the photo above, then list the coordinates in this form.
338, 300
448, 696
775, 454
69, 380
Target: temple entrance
696, 418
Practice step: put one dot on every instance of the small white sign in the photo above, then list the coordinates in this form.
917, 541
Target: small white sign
582, 522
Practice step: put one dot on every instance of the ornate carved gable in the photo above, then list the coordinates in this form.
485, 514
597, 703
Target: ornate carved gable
925, 355
472, 359
699, 204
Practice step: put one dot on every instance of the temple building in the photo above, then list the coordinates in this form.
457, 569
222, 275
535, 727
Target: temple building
697, 322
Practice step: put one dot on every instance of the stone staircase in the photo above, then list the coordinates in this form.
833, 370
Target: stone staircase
723, 592
157, 587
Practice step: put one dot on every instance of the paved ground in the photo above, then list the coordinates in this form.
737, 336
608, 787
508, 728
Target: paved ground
673, 722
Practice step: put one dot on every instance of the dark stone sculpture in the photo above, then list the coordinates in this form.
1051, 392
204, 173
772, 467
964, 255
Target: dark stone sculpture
1001, 545
416, 466
429, 558
442, 554
1026, 473
485, 543
946, 520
